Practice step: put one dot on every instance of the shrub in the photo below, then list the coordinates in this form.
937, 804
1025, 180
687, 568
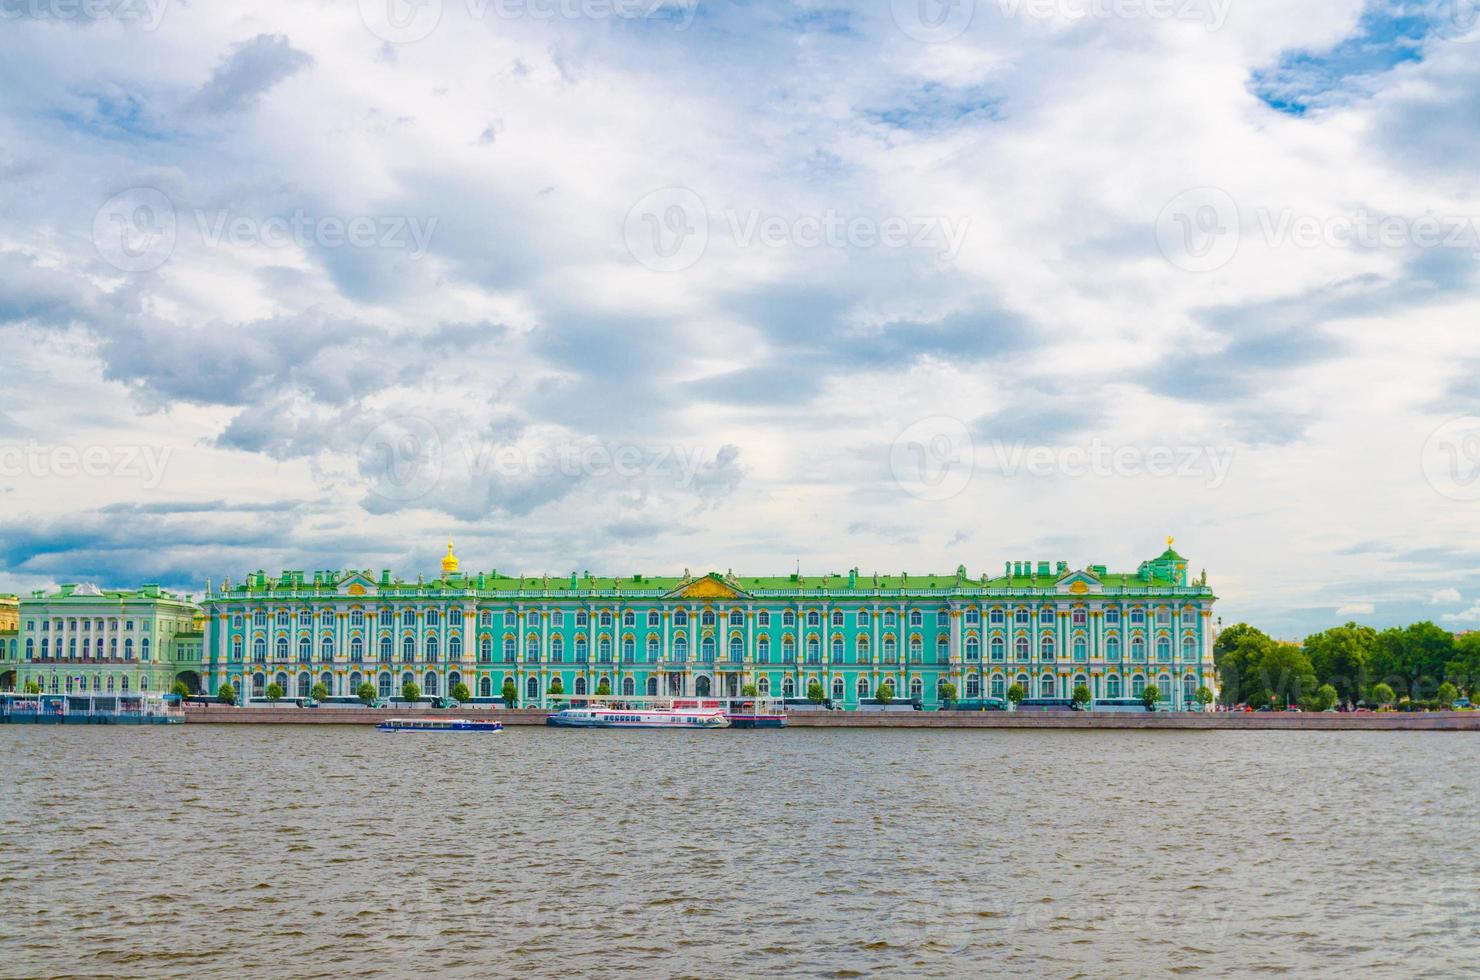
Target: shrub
366, 693
226, 694
320, 692
411, 691
274, 692
460, 693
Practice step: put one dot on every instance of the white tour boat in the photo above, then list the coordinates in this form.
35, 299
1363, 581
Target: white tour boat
618, 716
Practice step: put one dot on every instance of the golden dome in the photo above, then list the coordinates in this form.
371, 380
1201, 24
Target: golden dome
450, 562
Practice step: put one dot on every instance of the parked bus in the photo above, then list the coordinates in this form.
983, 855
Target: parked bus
1117, 704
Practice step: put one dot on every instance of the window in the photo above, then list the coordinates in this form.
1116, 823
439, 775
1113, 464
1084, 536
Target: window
434, 618
356, 649
891, 648
654, 620
629, 650
973, 617
681, 648
280, 648
788, 649
604, 650
788, 619
763, 650
916, 618
1189, 648
837, 649
813, 619
706, 618
1020, 617
763, 619
385, 649
863, 617
511, 618
863, 650
837, 617
305, 649
1163, 649
653, 647
706, 649
1080, 618
454, 648
1112, 686
1138, 686
1189, 689
1112, 616
973, 648
485, 687
357, 617
737, 649
942, 649
889, 618
917, 689
629, 618
862, 688
1112, 648
917, 650
814, 650
583, 650
1081, 648
606, 618
1163, 616
1138, 648
532, 649
485, 618
433, 648
1138, 617
1020, 648
999, 649
629, 687
837, 689
557, 649
762, 687
973, 686
680, 618
1047, 686
788, 688
511, 650
259, 617
1045, 648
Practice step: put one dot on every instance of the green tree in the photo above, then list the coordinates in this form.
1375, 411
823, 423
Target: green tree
274, 692
460, 693
366, 693
181, 690
1203, 696
1447, 694
1081, 694
555, 686
948, 692
604, 688
1463, 670
320, 692
1411, 659
226, 694
1238, 656
33, 688
1326, 697
815, 693
1150, 696
885, 693
1383, 695
411, 692
1342, 657
748, 691
510, 693
1286, 673
1015, 694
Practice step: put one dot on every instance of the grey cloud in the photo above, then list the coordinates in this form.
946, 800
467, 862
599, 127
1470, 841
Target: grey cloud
249, 69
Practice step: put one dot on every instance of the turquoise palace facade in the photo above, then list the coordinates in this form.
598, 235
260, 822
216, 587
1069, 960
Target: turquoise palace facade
1040, 624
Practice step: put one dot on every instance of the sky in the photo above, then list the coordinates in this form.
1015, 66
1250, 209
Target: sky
640, 286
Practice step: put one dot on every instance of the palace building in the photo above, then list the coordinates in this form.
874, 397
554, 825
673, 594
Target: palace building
1039, 624
82, 639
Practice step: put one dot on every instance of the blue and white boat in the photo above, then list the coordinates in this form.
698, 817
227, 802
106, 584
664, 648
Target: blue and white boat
438, 725
604, 716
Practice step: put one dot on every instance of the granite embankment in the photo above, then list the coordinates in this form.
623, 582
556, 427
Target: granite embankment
1385, 721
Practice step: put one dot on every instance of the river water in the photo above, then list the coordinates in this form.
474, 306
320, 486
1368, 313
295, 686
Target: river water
227, 851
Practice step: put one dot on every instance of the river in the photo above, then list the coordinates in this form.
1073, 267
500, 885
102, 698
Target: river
317, 851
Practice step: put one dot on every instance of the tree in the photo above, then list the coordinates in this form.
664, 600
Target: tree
1342, 657
411, 692
604, 688
1326, 697
1239, 655
748, 691
815, 693
510, 693
460, 693
555, 686
1447, 693
948, 692
181, 690
1383, 694
1286, 673
33, 688
226, 694
1411, 659
366, 693
1203, 696
320, 692
1015, 694
1081, 694
1150, 696
1463, 671
274, 692
885, 693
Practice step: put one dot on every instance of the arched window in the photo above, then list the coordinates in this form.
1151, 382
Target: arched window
680, 648
531, 690
1138, 686
629, 618
916, 618
917, 650
1081, 648
942, 649
788, 619
1048, 686
1112, 686
680, 618
652, 686
1138, 648
383, 684
763, 650
305, 684
326, 649
386, 648
706, 649
813, 619
485, 651
1045, 648
605, 619
1112, 649
1189, 689
861, 688
706, 618
654, 620
629, 687
864, 652
604, 650
737, 649
973, 686
580, 686
1189, 649
891, 648
280, 648
837, 650
762, 687
408, 649
485, 686
305, 650
973, 648
259, 650
814, 650
653, 647
1020, 648
511, 650
532, 649
454, 648
788, 649
629, 650
557, 649
583, 650
788, 688
433, 649
1164, 649
999, 686
917, 689
837, 689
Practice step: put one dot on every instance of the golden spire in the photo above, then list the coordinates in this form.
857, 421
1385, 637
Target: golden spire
450, 562
1170, 539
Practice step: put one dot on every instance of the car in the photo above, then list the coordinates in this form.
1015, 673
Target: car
1264, 707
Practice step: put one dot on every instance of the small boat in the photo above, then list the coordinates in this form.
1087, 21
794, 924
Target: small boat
601, 716
438, 725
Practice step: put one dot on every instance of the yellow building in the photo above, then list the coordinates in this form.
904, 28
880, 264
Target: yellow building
10, 613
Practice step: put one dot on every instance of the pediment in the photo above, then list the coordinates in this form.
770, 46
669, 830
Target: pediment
708, 587
1079, 583
356, 584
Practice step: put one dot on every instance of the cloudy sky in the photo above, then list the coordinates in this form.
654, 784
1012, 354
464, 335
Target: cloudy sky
646, 285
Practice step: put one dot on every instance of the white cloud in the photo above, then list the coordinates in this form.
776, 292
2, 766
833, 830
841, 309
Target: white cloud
1443, 596
1470, 616
1356, 609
